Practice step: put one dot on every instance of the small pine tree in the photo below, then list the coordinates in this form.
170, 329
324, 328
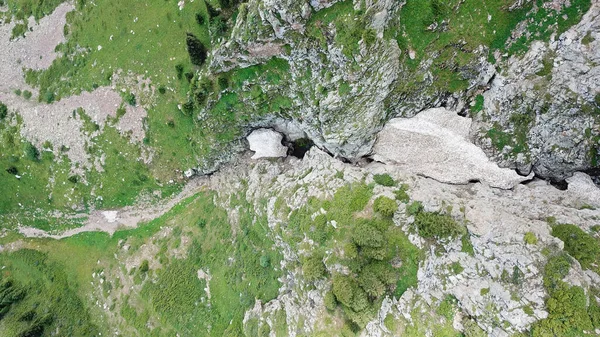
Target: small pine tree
196, 49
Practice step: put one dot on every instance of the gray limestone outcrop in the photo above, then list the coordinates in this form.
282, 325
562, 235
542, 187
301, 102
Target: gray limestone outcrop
540, 110
543, 110
435, 144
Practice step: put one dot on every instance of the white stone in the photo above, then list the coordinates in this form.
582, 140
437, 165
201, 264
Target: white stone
435, 144
267, 144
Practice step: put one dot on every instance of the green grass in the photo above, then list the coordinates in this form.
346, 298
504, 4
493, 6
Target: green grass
372, 248
568, 311
174, 297
48, 299
579, 244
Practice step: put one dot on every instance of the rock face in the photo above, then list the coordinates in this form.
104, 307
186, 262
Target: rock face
266, 143
435, 144
549, 99
497, 221
540, 111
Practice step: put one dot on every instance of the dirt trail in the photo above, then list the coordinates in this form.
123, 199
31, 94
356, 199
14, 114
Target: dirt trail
109, 221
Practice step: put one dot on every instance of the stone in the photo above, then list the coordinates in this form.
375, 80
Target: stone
435, 144
266, 143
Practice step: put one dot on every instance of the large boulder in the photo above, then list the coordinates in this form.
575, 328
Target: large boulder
435, 144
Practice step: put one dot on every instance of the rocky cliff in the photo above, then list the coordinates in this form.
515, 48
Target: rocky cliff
355, 65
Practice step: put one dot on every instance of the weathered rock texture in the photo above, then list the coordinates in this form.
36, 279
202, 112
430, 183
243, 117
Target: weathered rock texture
435, 144
343, 94
497, 221
550, 99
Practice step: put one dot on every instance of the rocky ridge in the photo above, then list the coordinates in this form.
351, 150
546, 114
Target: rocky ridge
358, 91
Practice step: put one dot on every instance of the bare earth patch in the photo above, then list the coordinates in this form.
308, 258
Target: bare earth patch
56, 122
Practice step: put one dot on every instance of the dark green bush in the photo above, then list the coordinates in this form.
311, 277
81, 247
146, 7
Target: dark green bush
12, 170
384, 179
343, 289
579, 244
3, 111
200, 19
31, 152
130, 99
414, 208
49, 97
385, 206
365, 235
313, 267
144, 267
265, 261
437, 225
212, 12
196, 50
179, 71
568, 313
401, 194
27, 94
330, 302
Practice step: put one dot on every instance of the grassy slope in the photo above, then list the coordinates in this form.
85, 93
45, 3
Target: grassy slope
174, 296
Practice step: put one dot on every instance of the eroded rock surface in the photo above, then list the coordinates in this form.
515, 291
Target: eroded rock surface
435, 144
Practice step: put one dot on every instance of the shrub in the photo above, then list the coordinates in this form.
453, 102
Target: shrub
49, 97
130, 99
437, 225
31, 152
265, 261
196, 49
579, 244
330, 302
343, 289
471, 329
414, 208
27, 94
446, 308
12, 170
456, 268
530, 238
467, 245
366, 235
385, 206
18, 92
179, 71
384, 179
401, 194
73, 179
484, 291
162, 90
189, 76
313, 267
144, 267
371, 284
212, 12
3, 111
223, 83
200, 19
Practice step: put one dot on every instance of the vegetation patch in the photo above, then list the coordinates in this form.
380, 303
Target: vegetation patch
579, 244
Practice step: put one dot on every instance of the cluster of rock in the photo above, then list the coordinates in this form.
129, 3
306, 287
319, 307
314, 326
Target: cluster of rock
497, 221
558, 138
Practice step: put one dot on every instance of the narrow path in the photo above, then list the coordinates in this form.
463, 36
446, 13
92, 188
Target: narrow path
109, 221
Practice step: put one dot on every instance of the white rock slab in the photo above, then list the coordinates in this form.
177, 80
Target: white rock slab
435, 144
267, 144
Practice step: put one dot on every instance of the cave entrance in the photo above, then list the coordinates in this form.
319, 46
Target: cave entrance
299, 147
